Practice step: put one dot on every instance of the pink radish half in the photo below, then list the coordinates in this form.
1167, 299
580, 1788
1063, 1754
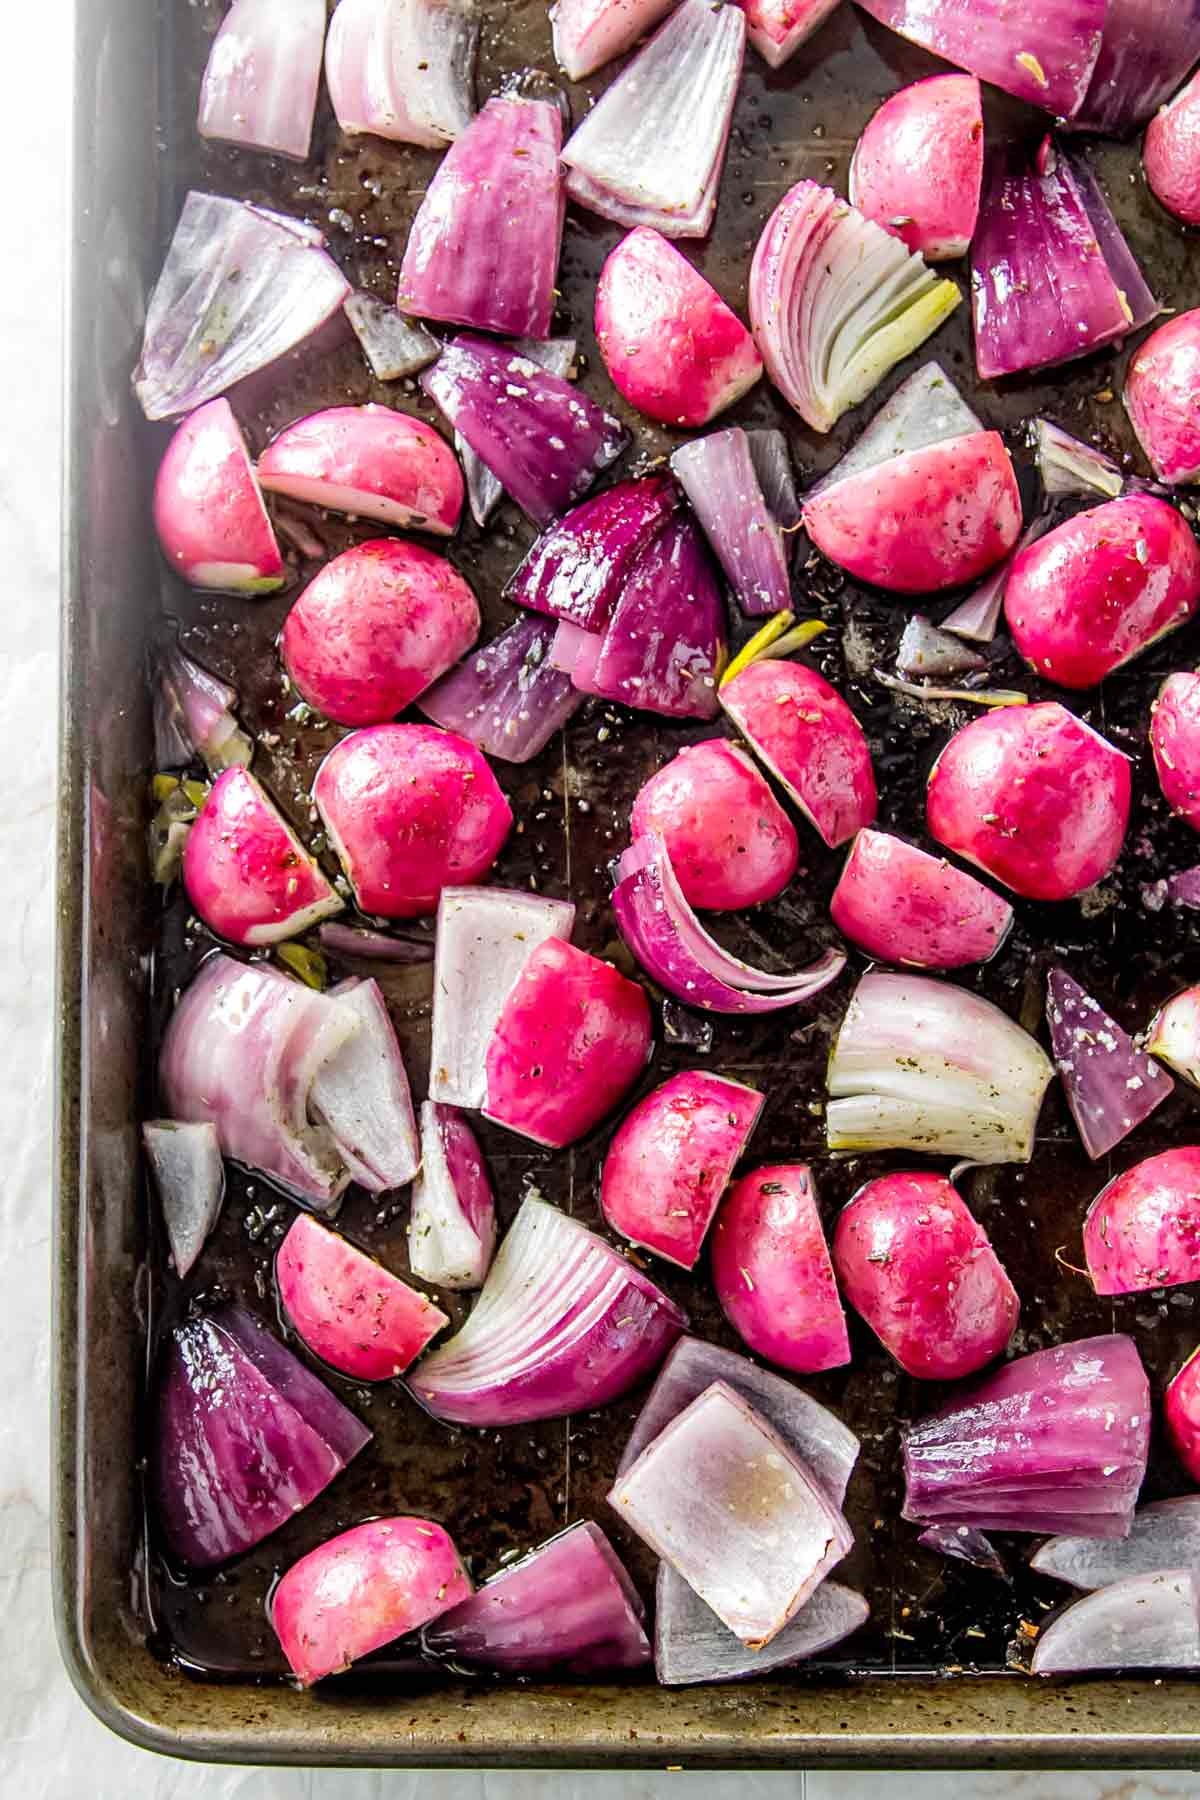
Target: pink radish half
1142, 1231
376, 627
777, 28
410, 810
364, 1589
730, 842
1175, 743
918, 167
804, 732
1101, 588
670, 1161
1033, 797
349, 1310
1181, 1411
246, 872
1160, 398
772, 1272
1171, 153
208, 511
904, 906
669, 342
369, 461
922, 1272
925, 520
572, 1038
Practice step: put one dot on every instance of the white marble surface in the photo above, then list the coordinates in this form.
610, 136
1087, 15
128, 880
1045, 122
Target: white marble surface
50, 1747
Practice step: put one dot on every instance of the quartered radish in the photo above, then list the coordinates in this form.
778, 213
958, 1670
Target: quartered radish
351, 1311
772, 1272
208, 511
371, 462
246, 872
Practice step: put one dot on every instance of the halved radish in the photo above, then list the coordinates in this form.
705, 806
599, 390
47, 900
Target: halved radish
917, 169
730, 842
1175, 742
1181, 1411
904, 906
1142, 1230
350, 1311
371, 462
246, 872
804, 732
208, 511
772, 1272
1160, 398
1171, 153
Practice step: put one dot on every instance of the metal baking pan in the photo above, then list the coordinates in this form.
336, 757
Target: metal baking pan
189, 1670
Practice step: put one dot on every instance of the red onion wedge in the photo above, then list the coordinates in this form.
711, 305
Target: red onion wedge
691, 1645
208, 510
507, 698
452, 1224
376, 627
718, 473
1061, 1431
651, 150
189, 1179
835, 303
1143, 1622
563, 1325
669, 342
1112, 1087
772, 1273
926, 652
485, 490
918, 166
777, 28
362, 1093
410, 810
1165, 1535
240, 287
1102, 588
1147, 48
1033, 797
923, 1065
590, 33
964, 1544
247, 1437
193, 715
483, 249
363, 1589
545, 441
1047, 59
241, 1052
393, 345
264, 68
722, 1498
902, 905
1067, 466
817, 1436
1171, 154
1173, 1035
485, 936
730, 842
1175, 743
572, 1038
577, 569
806, 735
349, 1310
246, 872
926, 520
919, 1269
1142, 1231
1160, 397
369, 461
674, 949
671, 1158
402, 69
1181, 1415
567, 1608
1041, 293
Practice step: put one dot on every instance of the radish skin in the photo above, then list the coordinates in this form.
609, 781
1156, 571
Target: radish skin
918, 166
371, 462
730, 842
1160, 398
350, 1311
1171, 153
772, 1272
246, 872
1181, 1412
1142, 1230
904, 906
208, 511
809, 739
1175, 743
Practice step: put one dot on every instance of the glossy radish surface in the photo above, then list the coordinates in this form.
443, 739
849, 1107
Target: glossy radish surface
671, 1158
1160, 398
1033, 797
375, 628
1181, 1412
1171, 153
669, 342
351, 1311
1175, 744
918, 166
730, 842
410, 810
806, 735
772, 1273
1101, 588
922, 1272
208, 511
1142, 1230
369, 461
904, 906
246, 872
